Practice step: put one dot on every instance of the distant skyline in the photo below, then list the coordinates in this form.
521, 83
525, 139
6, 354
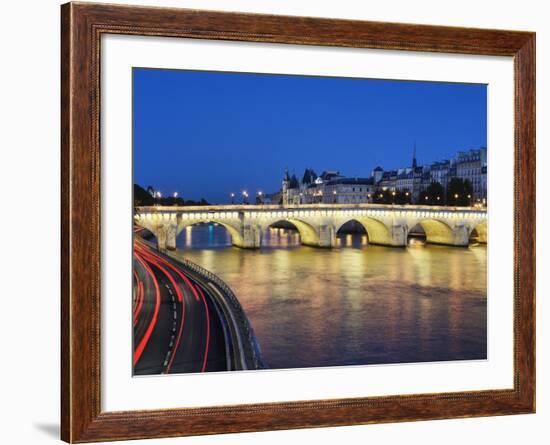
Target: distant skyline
207, 134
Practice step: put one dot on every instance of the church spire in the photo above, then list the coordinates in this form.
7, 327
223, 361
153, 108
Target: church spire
287, 176
414, 156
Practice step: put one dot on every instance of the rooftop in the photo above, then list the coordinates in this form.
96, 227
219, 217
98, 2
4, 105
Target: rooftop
351, 181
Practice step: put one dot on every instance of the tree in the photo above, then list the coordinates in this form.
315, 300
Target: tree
142, 197
392, 197
459, 192
468, 191
435, 195
382, 197
403, 197
172, 201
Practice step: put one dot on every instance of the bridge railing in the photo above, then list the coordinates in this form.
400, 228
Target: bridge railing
321, 206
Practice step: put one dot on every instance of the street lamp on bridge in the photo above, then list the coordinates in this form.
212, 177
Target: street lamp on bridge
157, 195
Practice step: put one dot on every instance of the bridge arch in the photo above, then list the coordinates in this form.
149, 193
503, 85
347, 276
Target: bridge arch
437, 231
481, 231
351, 234
377, 231
308, 234
235, 234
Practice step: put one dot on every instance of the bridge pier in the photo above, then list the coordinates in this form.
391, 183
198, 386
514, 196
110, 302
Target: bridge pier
166, 237
399, 235
160, 233
251, 237
171, 232
327, 236
461, 235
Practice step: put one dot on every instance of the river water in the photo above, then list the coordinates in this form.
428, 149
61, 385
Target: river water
356, 304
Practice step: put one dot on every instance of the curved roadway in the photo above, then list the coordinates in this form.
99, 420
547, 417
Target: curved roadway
178, 325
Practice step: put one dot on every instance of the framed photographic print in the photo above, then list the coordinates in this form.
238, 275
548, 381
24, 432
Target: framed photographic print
279, 222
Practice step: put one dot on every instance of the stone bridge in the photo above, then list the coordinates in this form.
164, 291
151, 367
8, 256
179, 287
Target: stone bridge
387, 225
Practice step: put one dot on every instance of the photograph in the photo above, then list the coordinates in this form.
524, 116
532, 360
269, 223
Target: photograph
288, 221
283, 218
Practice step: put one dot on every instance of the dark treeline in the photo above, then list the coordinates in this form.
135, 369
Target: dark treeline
459, 193
143, 197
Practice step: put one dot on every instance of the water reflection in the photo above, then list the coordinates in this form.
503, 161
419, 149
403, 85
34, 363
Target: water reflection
358, 304
280, 238
355, 241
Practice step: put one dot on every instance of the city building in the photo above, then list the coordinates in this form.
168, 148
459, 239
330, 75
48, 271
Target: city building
471, 165
329, 187
342, 190
483, 186
333, 187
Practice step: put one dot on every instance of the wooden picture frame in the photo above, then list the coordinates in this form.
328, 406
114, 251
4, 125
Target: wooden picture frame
82, 25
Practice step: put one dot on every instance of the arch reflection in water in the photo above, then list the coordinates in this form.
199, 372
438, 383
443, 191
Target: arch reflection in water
352, 234
416, 236
366, 304
204, 235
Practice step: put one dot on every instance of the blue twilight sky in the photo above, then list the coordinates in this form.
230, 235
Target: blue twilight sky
207, 134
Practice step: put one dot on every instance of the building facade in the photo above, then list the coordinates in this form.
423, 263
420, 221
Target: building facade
471, 165
333, 187
328, 188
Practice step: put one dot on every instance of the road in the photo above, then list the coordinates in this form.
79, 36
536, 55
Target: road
178, 324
